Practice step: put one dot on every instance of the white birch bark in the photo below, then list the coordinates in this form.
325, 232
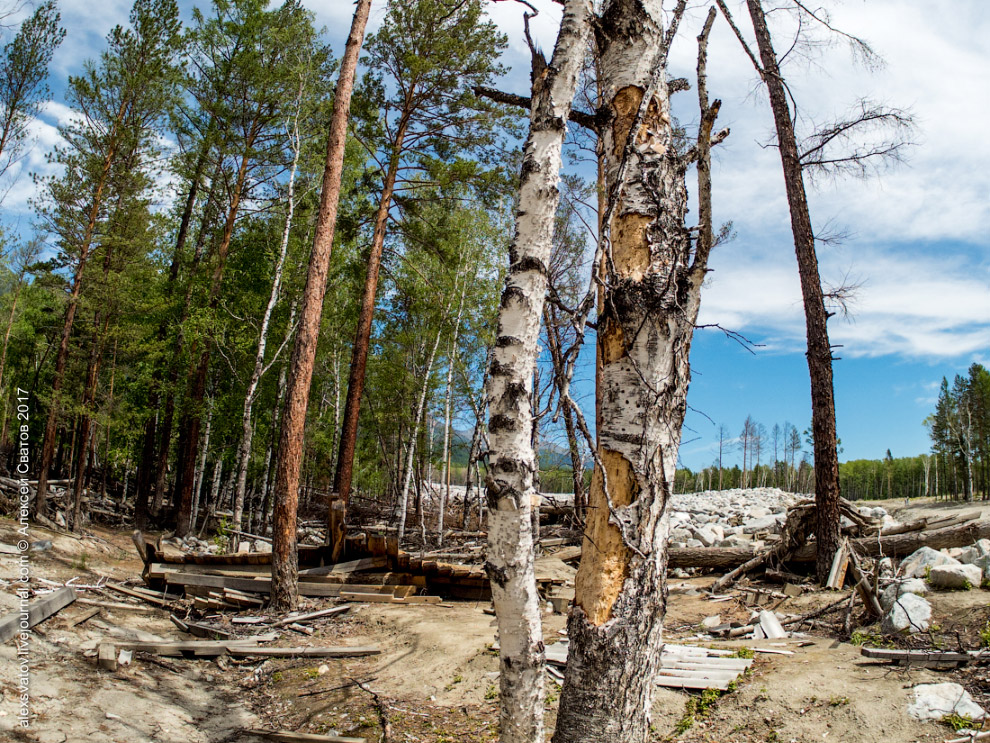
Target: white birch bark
411, 452
201, 468
650, 299
247, 431
510, 488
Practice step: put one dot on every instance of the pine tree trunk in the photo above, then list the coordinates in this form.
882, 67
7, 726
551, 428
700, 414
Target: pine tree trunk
819, 349
513, 466
362, 338
287, 466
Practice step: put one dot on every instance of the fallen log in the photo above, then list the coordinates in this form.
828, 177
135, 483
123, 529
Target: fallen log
899, 545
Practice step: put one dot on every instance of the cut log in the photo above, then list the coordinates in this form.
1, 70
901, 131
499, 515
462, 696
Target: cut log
38, 611
899, 545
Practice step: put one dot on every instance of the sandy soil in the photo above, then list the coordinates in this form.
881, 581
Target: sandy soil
437, 677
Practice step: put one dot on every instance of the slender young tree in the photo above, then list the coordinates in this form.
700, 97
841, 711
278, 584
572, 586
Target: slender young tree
285, 565
512, 463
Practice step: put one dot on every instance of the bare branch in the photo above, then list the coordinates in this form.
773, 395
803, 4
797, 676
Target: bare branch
839, 147
582, 118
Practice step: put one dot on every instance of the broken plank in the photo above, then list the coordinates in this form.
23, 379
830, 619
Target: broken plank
38, 611
313, 615
142, 594
367, 563
840, 563
84, 617
286, 736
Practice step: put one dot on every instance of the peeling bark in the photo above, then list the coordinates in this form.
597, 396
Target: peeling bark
510, 481
649, 297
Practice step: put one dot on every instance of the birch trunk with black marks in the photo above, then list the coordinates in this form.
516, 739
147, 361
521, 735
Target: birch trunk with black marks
510, 481
247, 430
649, 302
411, 451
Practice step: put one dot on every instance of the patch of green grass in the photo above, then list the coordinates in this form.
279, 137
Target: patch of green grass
744, 653
696, 708
222, 538
312, 673
872, 637
553, 693
957, 722
838, 701
985, 636
80, 564
492, 692
277, 677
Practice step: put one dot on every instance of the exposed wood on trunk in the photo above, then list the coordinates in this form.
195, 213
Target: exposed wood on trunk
650, 295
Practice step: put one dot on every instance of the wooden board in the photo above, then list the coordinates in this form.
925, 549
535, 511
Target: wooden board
38, 611
285, 736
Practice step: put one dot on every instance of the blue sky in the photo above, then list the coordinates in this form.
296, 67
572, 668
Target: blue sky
917, 241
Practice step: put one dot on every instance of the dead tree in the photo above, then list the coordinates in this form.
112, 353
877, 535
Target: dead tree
649, 282
819, 355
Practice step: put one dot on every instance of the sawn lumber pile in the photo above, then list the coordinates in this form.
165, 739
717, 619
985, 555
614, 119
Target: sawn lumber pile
374, 567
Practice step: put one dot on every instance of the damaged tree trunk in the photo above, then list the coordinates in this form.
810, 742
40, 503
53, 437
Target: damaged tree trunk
819, 354
512, 468
649, 300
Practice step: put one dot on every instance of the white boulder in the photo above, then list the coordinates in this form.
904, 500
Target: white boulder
895, 590
955, 577
907, 615
937, 701
917, 564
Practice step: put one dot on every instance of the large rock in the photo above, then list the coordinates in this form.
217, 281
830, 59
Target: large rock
709, 534
917, 564
937, 701
895, 590
764, 523
970, 555
907, 615
955, 577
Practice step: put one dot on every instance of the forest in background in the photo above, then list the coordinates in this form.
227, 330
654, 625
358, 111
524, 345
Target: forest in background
149, 314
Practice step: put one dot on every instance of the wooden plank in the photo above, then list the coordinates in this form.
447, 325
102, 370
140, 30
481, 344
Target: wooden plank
328, 652
697, 673
84, 617
143, 595
38, 611
680, 682
840, 563
313, 615
107, 657
285, 736
341, 568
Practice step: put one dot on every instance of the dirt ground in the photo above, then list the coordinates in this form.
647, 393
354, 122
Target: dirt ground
436, 678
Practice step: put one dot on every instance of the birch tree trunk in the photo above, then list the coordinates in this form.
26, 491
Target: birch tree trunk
445, 496
247, 430
285, 567
201, 469
411, 452
649, 302
511, 473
